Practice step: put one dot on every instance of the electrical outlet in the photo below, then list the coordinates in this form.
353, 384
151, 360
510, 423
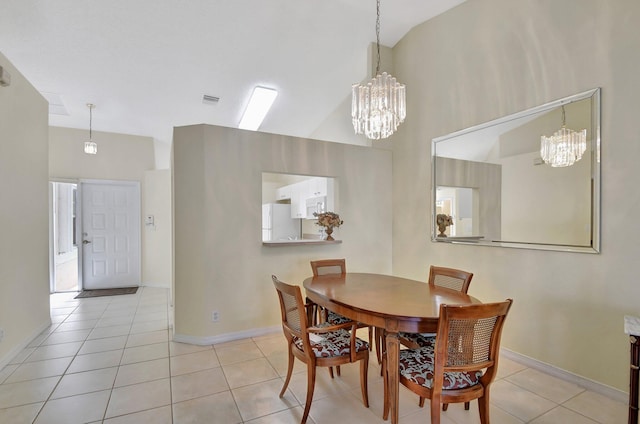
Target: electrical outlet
215, 316
1, 334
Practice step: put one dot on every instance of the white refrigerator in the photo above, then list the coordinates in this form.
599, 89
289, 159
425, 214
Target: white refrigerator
277, 223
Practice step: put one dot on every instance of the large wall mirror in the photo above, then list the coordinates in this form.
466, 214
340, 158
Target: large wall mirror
491, 185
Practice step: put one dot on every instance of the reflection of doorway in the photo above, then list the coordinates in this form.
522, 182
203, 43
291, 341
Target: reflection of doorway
64, 248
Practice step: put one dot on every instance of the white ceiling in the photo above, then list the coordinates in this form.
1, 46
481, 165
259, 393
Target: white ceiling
146, 63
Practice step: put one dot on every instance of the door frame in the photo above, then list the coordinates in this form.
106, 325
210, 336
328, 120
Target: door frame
52, 259
80, 219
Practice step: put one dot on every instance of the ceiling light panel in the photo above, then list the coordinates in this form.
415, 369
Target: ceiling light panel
259, 104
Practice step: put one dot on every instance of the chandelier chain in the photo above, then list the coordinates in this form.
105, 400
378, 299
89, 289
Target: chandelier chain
378, 35
378, 106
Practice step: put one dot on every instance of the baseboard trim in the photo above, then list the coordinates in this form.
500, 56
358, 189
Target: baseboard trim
594, 386
4, 361
227, 337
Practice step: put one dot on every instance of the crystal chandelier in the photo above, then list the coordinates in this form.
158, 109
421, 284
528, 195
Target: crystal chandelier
565, 147
378, 107
90, 146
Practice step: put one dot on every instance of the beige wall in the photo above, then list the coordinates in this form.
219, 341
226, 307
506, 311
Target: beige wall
122, 157
220, 262
24, 256
489, 58
156, 257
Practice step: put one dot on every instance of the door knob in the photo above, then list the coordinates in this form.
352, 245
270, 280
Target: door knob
85, 242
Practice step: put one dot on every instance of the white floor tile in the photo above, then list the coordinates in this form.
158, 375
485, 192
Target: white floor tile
598, 407
24, 414
85, 382
160, 415
262, 399
547, 386
198, 384
128, 371
139, 397
39, 369
145, 353
95, 361
25, 392
75, 409
218, 408
141, 372
519, 402
103, 345
192, 362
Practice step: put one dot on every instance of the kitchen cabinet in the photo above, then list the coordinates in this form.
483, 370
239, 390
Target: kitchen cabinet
299, 200
284, 193
317, 187
299, 192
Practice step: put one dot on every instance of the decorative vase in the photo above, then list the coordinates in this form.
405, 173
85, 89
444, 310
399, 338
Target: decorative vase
328, 231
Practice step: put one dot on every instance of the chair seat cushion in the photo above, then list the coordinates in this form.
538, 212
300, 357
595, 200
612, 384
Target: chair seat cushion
417, 366
333, 343
336, 319
420, 339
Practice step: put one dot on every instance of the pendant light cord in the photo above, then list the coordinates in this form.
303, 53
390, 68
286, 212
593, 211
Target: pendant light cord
378, 35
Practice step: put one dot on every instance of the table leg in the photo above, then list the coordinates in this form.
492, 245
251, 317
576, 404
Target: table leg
392, 365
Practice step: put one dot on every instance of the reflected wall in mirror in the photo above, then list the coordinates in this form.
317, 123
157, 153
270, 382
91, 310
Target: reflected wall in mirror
492, 181
288, 204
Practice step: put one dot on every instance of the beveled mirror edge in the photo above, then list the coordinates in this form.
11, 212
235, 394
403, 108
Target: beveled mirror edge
595, 177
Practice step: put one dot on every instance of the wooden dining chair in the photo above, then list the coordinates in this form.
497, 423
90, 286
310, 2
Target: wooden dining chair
462, 363
321, 345
336, 266
450, 278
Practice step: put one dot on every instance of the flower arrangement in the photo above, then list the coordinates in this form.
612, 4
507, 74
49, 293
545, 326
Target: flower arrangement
328, 219
443, 221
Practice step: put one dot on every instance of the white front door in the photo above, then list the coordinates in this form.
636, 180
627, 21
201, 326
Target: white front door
110, 234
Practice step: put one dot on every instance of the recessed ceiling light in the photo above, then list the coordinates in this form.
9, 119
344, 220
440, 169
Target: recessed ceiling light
261, 100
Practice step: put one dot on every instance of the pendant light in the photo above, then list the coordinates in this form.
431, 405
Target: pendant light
565, 147
90, 147
378, 107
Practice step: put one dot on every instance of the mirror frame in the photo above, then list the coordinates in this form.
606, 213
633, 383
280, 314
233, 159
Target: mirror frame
593, 143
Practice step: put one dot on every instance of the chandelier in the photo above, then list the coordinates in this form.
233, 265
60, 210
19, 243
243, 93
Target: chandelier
378, 107
565, 147
90, 146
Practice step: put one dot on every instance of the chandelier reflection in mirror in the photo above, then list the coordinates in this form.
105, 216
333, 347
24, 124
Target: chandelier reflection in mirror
90, 147
378, 107
565, 147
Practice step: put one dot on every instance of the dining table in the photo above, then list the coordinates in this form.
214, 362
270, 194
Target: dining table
391, 304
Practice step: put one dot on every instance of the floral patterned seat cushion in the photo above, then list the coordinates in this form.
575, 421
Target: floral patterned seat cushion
336, 319
420, 339
333, 343
417, 366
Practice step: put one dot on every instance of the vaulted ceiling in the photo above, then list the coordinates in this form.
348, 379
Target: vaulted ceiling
146, 64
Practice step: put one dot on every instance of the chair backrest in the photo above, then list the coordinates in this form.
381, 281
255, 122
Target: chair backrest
450, 278
468, 338
328, 266
294, 317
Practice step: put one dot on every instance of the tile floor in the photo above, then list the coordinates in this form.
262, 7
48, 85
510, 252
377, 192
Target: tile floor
110, 360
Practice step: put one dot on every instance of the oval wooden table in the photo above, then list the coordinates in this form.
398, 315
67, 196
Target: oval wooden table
390, 303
